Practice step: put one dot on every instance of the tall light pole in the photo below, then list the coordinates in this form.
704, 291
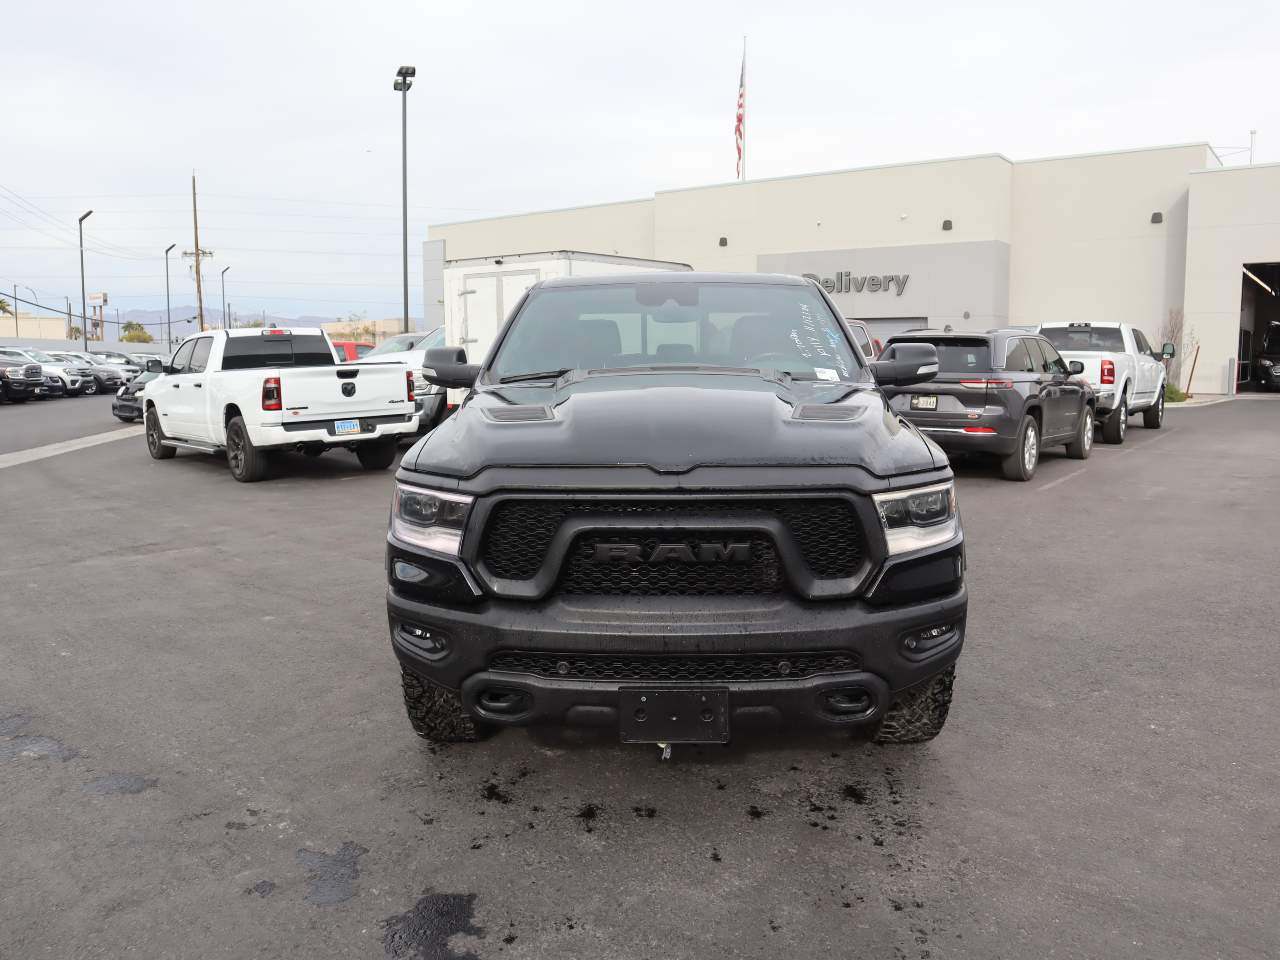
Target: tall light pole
404, 80
84, 306
168, 309
224, 298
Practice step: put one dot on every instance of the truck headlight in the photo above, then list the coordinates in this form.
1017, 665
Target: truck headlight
919, 518
1264, 363
431, 519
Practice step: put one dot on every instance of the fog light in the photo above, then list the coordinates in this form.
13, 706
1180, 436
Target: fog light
409, 573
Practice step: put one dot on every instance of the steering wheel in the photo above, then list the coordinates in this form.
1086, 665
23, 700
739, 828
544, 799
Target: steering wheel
766, 360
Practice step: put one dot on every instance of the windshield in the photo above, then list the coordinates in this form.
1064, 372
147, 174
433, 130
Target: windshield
406, 342
1085, 338
42, 357
1271, 339
784, 327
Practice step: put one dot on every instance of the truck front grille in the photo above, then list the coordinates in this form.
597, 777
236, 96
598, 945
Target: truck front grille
583, 574
826, 531
675, 668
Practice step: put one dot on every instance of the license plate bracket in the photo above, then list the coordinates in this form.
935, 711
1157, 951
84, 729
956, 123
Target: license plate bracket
673, 715
919, 402
344, 427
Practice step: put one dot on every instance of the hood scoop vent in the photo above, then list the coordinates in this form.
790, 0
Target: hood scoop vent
826, 411
520, 413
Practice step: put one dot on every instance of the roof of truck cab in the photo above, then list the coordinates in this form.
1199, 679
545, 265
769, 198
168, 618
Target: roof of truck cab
267, 331
676, 276
1082, 323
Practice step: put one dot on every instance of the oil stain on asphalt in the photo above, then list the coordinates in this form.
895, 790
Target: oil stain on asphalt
114, 783
423, 931
332, 875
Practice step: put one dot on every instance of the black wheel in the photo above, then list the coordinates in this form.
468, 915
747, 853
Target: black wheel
918, 715
1153, 416
90, 388
248, 464
155, 438
1021, 464
1082, 445
376, 454
1117, 424
436, 713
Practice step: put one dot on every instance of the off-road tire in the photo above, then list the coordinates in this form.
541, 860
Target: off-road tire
1082, 445
1015, 465
436, 713
1117, 424
155, 436
917, 715
89, 389
376, 454
248, 464
1153, 416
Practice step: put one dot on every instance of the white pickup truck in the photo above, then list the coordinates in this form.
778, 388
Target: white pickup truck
1126, 374
252, 391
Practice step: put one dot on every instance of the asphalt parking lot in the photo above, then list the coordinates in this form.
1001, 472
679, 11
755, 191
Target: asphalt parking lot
205, 753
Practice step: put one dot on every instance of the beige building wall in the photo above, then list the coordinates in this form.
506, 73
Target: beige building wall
37, 326
873, 207
623, 228
1084, 246
1234, 219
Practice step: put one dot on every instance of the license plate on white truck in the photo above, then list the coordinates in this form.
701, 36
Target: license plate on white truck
342, 427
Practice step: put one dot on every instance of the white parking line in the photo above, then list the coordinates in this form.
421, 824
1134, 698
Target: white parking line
1053, 483
19, 457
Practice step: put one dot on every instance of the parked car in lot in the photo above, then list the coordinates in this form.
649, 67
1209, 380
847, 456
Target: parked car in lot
99, 375
127, 403
351, 349
705, 463
69, 380
20, 380
115, 356
1125, 372
1267, 360
140, 360
253, 391
411, 350
1003, 392
53, 388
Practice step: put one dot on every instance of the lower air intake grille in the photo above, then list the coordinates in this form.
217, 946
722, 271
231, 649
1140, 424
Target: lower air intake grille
665, 668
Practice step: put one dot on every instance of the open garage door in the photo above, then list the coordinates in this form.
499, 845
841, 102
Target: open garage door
1258, 359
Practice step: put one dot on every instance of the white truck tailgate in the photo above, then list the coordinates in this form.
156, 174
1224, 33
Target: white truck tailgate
1092, 363
347, 390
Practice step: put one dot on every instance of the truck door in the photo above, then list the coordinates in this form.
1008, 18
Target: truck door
195, 405
1148, 372
168, 395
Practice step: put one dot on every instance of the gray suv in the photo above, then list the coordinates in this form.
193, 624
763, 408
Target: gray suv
1003, 392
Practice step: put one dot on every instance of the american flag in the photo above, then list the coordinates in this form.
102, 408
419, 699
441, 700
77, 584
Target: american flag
740, 125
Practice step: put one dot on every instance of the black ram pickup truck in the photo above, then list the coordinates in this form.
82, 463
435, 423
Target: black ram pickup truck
676, 505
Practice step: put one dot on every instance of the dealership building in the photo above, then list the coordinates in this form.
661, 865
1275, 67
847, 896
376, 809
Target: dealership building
1165, 238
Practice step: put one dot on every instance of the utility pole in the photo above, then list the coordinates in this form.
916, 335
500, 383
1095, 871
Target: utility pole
68, 299
195, 223
1252, 136
224, 298
168, 309
404, 80
84, 321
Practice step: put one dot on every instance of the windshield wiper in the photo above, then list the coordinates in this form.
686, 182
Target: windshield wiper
541, 375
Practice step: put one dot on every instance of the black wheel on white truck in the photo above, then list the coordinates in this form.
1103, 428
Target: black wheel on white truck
248, 464
1153, 416
1117, 424
155, 438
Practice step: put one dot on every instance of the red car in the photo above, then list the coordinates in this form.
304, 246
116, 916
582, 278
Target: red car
351, 349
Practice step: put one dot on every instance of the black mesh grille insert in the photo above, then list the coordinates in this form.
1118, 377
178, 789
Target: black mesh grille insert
583, 574
675, 668
520, 531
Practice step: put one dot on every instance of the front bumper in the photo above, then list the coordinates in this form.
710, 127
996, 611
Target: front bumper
875, 639
127, 407
22, 388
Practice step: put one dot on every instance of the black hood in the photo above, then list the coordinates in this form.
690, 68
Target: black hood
672, 423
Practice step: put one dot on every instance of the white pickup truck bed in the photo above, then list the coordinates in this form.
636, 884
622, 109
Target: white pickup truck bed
250, 391
1127, 376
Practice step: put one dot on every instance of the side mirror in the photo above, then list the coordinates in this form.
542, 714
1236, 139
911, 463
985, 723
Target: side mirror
155, 366
448, 367
1075, 367
903, 364
1168, 351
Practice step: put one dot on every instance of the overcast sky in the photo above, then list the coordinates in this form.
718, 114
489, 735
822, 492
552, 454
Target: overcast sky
287, 114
